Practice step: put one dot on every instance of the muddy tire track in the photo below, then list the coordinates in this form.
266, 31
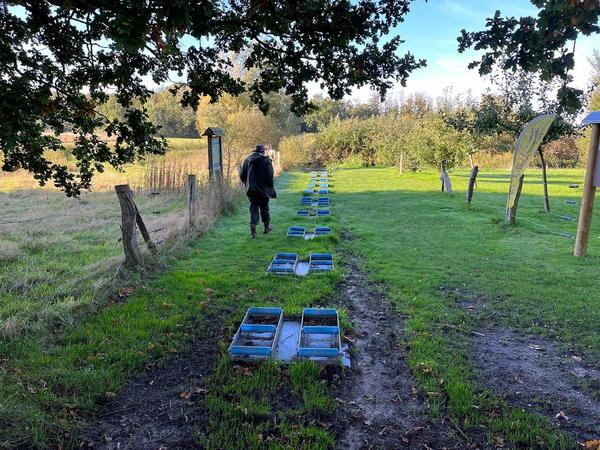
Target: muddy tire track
379, 405
162, 408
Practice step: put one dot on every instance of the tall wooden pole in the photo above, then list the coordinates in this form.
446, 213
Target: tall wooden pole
589, 194
191, 191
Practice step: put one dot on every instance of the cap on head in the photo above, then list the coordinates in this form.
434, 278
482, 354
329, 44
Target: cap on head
260, 148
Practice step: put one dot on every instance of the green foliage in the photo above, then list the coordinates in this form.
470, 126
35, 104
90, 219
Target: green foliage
541, 45
433, 141
59, 60
297, 151
419, 141
326, 111
243, 124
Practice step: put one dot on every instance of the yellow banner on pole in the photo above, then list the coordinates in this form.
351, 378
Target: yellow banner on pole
529, 140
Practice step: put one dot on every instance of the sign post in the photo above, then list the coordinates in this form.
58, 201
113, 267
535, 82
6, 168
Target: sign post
215, 153
592, 181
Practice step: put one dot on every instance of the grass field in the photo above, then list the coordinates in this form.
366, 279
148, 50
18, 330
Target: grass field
56, 252
417, 242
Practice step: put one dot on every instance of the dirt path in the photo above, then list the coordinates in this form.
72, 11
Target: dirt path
379, 406
162, 408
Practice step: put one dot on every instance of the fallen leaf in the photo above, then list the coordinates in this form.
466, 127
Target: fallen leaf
173, 350
594, 444
199, 390
576, 358
536, 347
561, 415
346, 338
185, 395
110, 394
367, 423
209, 290
499, 442
125, 292
203, 304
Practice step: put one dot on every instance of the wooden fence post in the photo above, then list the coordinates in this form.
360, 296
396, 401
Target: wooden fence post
129, 213
192, 195
589, 194
472, 180
511, 212
445, 179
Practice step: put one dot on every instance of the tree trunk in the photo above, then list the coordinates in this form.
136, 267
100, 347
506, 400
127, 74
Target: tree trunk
133, 256
401, 164
545, 178
511, 213
472, 180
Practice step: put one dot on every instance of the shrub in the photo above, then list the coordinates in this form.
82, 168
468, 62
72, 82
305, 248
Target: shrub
296, 151
562, 153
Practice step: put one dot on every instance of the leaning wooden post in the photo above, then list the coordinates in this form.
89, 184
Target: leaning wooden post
133, 256
144, 232
510, 216
592, 180
192, 195
445, 178
472, 180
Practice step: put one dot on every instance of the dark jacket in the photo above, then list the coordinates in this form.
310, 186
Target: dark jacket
257, 176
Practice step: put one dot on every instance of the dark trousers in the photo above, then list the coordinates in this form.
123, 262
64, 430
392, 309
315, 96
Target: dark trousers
258, 202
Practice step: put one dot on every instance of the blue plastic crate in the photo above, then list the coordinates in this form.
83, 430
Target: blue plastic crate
320, 338
320, 262
321, 231
296, 232
257, 335
283, 264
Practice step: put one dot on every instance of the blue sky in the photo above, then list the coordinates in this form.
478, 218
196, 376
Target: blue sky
430, 31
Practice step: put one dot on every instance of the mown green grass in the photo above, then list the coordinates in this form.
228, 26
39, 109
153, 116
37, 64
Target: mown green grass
421, 243
411, 237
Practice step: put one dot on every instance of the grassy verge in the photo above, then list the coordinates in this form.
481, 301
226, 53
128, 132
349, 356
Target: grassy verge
50, 386
421, 243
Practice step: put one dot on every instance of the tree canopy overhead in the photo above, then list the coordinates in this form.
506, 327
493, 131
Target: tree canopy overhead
59, 60
544, 44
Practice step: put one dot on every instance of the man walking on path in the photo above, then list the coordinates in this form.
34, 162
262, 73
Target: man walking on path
257, 176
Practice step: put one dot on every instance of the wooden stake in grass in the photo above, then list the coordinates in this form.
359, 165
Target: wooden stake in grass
192, 197
129, 213
592, 181
472, 180
445, 179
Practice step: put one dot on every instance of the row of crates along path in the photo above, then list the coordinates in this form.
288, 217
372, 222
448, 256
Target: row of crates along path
290, 263
265, 332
